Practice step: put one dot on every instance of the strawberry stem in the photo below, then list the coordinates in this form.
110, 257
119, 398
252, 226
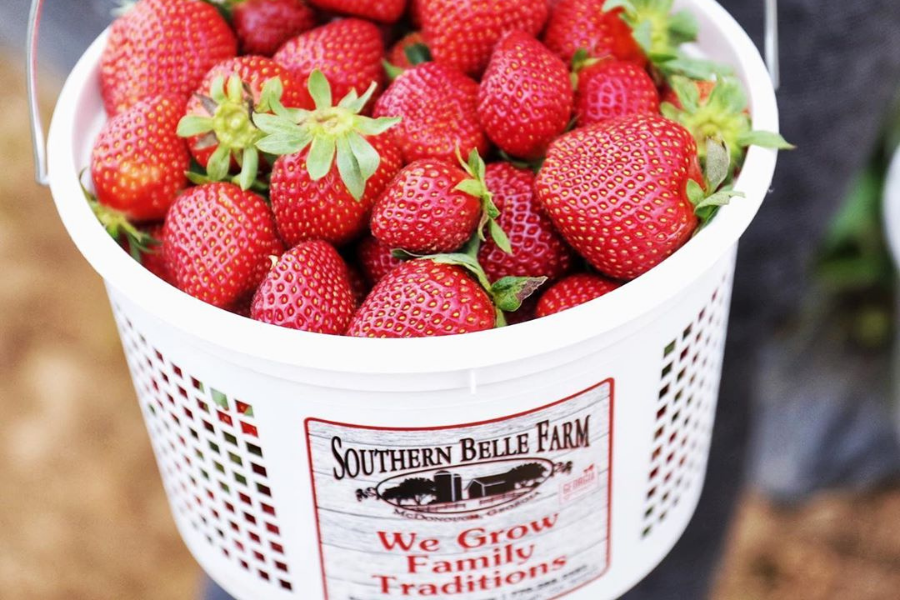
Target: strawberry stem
476, 186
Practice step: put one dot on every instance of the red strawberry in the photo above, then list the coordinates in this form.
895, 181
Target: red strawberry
334, 164
526, 96
219, 116
376, 259
358, 285
398, 56
138, 163
162, 46
582, 24
612, 88
537, 250
151, 255
307, 289
463, 33
422, 298
433, 206
573, 291
348, 52
415, 13
218, 240
262, 26
438, 109
623, 216
383, 11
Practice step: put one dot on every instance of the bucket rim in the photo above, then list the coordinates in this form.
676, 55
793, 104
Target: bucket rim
892, 207
243, 337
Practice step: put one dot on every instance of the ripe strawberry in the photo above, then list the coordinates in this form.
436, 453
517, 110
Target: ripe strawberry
573, 291
611, 88
358, 285
262, 26
218, 240
376, 259
307, 289
526, 96
537, 250
583, 24
333, 165
623, 217
399, 53
383, 11
463, 33
348, 52
138, 163
159, 47
219, 119
150, 252
437, 106
422, 298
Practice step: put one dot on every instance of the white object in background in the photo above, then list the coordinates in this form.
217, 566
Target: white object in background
561, 456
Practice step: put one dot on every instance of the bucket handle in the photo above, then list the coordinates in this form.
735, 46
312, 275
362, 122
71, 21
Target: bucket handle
38, 139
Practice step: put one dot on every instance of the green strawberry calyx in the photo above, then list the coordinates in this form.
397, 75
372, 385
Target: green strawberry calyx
476, 186
229, 126
660, 34
332, 133
722, 116
119, 227
416, 54
717, 173
507, 293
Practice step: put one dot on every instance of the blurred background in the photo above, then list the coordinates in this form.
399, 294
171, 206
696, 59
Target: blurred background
82, 509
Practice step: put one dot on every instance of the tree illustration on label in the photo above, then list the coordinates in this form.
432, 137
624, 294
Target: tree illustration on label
416, 489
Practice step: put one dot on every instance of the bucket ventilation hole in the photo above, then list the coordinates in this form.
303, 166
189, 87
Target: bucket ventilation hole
685, 409
211, 457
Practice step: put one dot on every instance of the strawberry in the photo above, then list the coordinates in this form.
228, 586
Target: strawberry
383, 11
463, 33
526, 96
262, 26
624, 216
433, 206
716, 112
348, 52
219, 119
437, 106
376, 259
308, 288
161, 47
358, 285
333, 165
150, 252
583, 24
138, 162
537, 250
399, 55
422, 298
610, 88
573, 291
217, 241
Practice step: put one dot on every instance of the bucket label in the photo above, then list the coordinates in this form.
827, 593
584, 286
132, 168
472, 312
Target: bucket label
511, 509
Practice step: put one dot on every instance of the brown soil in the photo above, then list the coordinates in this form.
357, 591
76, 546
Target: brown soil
82, 511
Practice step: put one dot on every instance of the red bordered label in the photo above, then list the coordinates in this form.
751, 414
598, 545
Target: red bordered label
513, 508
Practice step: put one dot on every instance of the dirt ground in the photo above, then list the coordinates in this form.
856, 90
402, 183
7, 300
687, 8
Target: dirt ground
82, 511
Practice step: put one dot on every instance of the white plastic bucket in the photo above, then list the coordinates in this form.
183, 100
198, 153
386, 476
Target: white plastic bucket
892, 231
259, 431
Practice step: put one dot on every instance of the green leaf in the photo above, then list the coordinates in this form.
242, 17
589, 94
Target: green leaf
643, 35
320, 90
274, 124
361, 102
249, 168
695, 192
765, 139
669, 111
217, 90
320, 158
721, 198
366, 155
718, 163
349, 169
281, 144
192, 125
271, 93
510, 292
349, 100
683, 27
728, 96
235, 89
472, 187
373, 127
612, 5
694, 68
219, 164
687, 93
197, 178
392, 72
499, 236
418, 54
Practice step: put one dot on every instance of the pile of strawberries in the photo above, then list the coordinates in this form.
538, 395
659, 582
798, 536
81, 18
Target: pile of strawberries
408, 168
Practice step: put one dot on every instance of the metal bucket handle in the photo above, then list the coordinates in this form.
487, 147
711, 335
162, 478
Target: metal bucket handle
38, 139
